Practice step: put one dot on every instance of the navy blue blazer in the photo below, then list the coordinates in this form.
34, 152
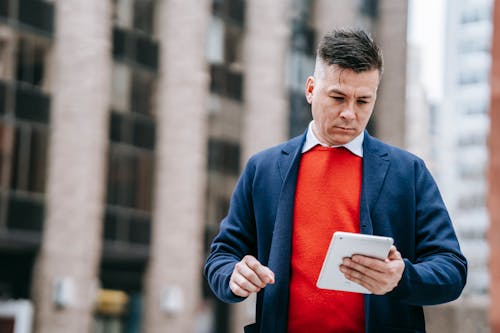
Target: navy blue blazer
399, 199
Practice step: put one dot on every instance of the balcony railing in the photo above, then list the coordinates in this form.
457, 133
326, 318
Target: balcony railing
225, 82
138, 130
125, 226
135, 47
25, 213
35, 14
232, 11
31, 103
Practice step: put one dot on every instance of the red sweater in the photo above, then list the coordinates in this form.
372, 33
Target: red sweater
327, 199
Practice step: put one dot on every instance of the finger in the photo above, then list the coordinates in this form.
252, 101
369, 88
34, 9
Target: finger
263, 272
378, 285
362, 263
243, 283
237, 290
394, 254
249, 274
359, 278
380, 281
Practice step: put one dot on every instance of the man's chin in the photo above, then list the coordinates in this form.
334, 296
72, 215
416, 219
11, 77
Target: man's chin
339, 139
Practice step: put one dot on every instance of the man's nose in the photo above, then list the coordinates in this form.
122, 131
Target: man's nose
347, 113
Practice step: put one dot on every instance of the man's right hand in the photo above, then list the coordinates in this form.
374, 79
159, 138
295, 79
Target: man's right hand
249, 276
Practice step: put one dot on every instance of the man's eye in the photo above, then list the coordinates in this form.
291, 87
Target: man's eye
338, 98
362, 102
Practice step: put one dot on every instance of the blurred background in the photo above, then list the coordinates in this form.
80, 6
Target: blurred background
124, 125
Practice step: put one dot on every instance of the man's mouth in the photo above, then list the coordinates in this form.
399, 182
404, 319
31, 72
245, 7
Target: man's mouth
344, 128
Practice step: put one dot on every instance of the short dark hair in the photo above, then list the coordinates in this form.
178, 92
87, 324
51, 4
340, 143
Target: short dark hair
350, 49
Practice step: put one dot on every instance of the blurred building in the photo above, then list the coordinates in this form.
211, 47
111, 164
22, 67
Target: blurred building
420, 112
494, 173
465, 111
461, 156
123, 127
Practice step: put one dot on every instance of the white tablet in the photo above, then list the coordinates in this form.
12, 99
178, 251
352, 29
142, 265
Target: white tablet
346, 244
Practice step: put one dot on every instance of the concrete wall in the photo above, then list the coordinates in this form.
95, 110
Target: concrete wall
71, 245
181, 109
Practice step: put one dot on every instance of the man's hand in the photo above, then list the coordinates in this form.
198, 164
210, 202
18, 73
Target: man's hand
249, 276
378, 276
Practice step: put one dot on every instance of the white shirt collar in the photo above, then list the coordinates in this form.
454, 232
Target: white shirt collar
355, 146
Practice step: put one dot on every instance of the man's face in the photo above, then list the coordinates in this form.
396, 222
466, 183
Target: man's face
341, 101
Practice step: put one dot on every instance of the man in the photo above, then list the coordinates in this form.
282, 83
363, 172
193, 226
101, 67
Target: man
291, 198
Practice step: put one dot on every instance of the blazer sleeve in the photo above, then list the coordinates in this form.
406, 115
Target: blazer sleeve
438, 272
236, 238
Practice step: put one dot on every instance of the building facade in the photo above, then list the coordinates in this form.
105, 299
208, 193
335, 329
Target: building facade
460, 156
124, 125
468, 36
494, 173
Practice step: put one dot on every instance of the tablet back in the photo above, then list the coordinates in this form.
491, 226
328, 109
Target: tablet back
346, 244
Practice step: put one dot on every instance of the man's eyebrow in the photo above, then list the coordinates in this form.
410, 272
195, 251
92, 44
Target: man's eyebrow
340, 92
336, 91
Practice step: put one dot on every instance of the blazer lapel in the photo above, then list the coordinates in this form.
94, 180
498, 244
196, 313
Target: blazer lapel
375, 165
275, 307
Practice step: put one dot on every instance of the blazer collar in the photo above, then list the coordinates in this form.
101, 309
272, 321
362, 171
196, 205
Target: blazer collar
375, 166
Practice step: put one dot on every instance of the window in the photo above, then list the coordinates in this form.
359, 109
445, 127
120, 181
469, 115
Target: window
478, 139
36, 15
300, 64
141, 92
133, 33
472, 201
24, 118
223, 156
472, 77
476, 45
478, 108
30, 62
369, 8
225, 51
132, 131
129, 178
232, 11
29, 159
144, 16
472, 172
477, 14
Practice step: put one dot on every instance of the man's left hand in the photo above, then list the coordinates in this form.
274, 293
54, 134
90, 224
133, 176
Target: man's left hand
378, 276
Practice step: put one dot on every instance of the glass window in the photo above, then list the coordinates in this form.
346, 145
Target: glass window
232, 46
25, 213
30, 62
38, 160
130, 178
29, 159
132, 131
215, 41
123, 13
142, 92
6, 141
144, 16
120, 87
223, 156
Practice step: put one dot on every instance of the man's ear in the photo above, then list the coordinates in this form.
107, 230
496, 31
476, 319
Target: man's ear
309, 89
